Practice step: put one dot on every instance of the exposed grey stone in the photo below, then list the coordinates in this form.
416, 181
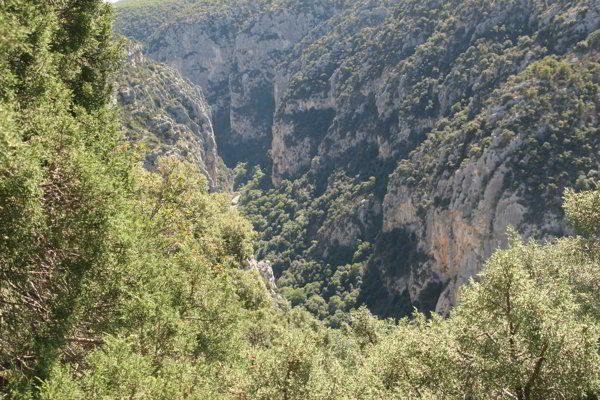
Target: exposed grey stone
266, 271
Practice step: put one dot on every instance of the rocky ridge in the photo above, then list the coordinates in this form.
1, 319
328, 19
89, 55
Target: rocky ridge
465, 117
166, 114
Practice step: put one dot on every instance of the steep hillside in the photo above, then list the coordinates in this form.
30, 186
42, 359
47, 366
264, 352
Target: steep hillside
167, 115
124, 282
401, 137
138, 19
461, 188
231, 50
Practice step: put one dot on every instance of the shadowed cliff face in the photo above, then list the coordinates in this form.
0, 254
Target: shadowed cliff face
232, 54
470, 115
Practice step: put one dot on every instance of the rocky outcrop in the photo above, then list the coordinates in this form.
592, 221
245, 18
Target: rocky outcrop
166, 114
458, 238
266, 272
467, 116
232, 54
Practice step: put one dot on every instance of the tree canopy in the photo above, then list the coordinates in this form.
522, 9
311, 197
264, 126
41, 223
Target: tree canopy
122, 283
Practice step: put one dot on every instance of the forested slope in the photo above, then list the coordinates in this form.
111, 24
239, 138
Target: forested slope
427, 93
397, 139
121, 283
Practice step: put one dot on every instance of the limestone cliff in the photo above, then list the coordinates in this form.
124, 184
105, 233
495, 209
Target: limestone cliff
166, 114
511, 175
232, 52
459, 117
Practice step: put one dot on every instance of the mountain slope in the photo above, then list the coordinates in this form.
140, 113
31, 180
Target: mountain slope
167, 115
412, 133
231, 50
119, 281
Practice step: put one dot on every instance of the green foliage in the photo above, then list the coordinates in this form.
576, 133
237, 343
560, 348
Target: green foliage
413, 360
581, 209
593, 40
91, 248
288, 220
523, 320
552, 141
63, 177
120, 283
251, 289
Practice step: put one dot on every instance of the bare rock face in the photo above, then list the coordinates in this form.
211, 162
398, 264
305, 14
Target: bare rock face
266, 272
166, 114
314, 117
232, 55
456, 239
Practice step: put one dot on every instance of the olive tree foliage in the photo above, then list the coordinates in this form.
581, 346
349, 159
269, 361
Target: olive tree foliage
413, 361
302, 360
180, 285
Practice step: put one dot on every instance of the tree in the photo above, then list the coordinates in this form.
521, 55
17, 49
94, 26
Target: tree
528, 329
582, 211
63, 178
522, 332
173, 312
100, 261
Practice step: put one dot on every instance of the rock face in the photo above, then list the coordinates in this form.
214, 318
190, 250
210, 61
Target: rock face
166, 113
456, 239
232, 53
266, 272
469, 116
461, 215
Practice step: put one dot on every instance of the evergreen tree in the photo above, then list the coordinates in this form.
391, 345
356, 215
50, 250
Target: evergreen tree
62, 176
522, 332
